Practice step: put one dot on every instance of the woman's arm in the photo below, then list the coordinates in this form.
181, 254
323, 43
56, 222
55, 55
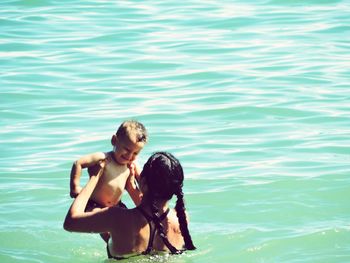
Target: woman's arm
131, 185
77, 220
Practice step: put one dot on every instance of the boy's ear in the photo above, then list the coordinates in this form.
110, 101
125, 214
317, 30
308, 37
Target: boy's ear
114, 140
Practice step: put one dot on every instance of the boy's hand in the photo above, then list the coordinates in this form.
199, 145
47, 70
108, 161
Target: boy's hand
74, 192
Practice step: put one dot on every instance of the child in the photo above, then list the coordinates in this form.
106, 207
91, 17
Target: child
119, 171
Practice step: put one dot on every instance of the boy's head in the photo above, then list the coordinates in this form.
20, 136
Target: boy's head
129, 140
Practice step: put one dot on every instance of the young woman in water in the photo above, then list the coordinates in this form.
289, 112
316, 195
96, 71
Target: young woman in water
151, 226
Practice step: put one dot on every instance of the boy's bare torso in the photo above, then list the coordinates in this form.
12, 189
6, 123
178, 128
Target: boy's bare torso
110, 187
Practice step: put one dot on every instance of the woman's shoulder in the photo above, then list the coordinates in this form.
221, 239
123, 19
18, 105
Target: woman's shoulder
174, 232
173, 215
125, 218
173, 222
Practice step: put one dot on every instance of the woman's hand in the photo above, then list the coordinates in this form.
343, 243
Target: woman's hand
134, 171
97, 169
132, 184
74, 192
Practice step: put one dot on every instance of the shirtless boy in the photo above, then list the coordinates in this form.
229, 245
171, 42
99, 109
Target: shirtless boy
119, 171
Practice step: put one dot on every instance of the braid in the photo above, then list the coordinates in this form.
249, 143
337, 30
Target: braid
160, 228
180, 212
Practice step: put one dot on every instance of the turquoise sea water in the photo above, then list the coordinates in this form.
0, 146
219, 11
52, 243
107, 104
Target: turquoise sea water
251, 96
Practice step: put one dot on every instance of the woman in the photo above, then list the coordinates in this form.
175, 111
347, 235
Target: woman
149, 227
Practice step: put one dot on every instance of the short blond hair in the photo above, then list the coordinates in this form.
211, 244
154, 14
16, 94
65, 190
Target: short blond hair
133, 130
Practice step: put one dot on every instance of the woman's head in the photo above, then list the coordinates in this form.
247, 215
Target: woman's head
163, 175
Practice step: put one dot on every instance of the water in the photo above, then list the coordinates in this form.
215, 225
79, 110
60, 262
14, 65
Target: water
253, 98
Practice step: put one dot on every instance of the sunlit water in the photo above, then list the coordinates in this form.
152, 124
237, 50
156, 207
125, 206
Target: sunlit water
251, 96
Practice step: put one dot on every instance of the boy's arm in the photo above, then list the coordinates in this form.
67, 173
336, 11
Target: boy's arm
78, 165
131, 185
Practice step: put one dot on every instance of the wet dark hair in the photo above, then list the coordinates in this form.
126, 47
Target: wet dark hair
164, 177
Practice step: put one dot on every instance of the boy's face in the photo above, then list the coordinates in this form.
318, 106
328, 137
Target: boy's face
126, 151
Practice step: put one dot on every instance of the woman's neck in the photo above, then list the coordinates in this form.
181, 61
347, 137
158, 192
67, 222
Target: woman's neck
162, 205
